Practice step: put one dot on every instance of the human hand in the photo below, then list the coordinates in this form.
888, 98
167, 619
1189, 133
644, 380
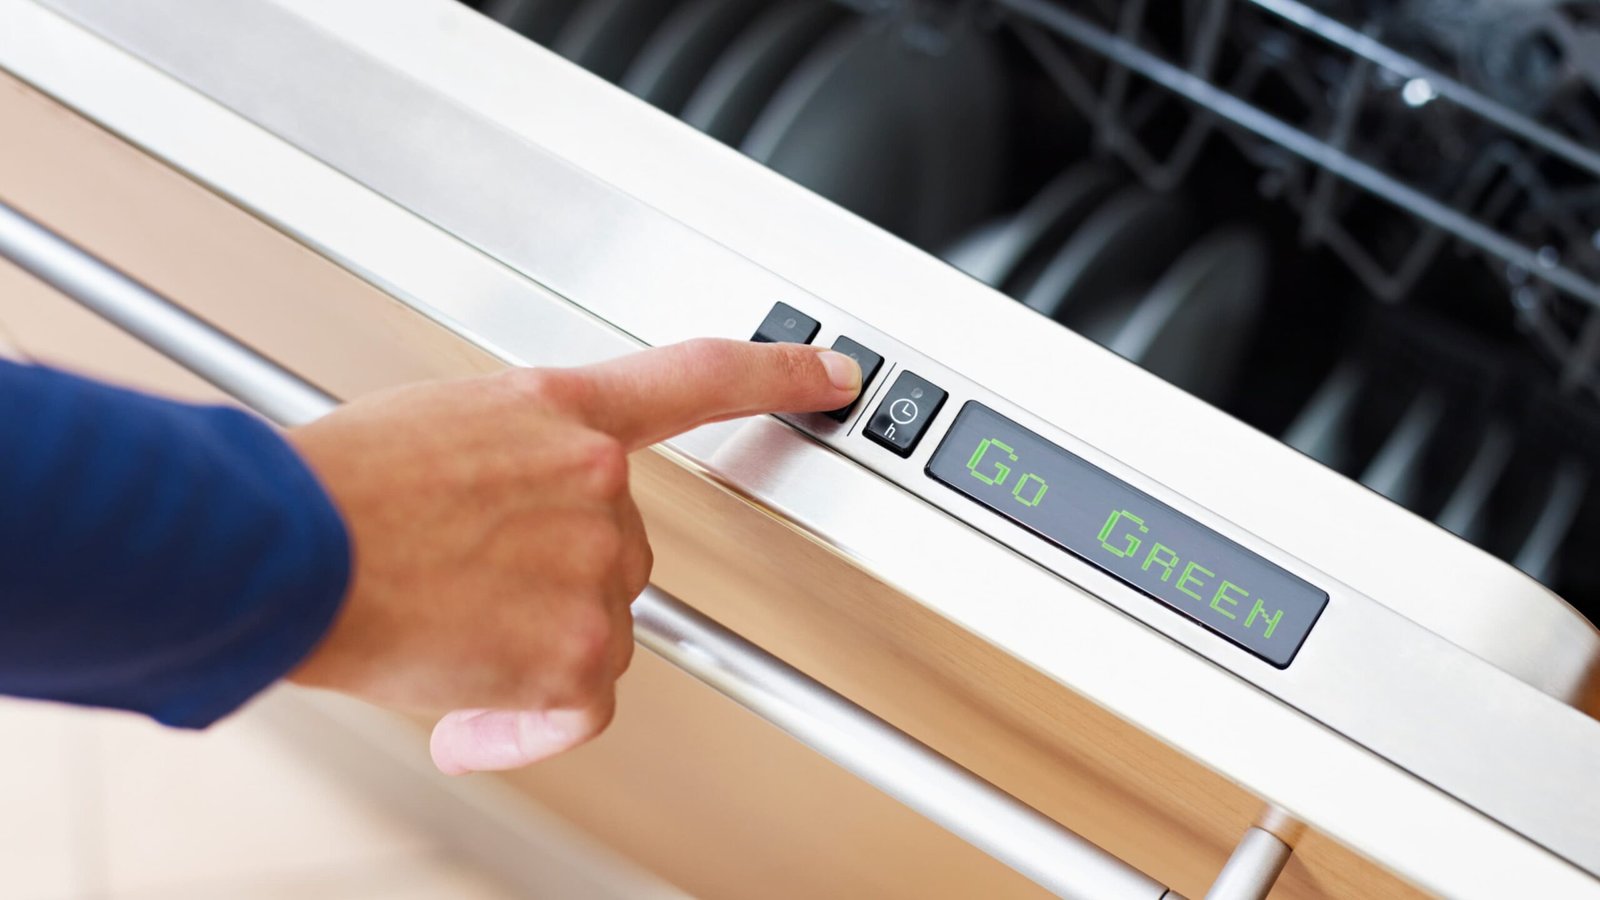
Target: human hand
496, 547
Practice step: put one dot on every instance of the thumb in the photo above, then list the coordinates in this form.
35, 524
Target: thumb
654, 394
488, 740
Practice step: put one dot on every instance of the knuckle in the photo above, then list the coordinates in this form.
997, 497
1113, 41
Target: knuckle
596, 544
596, 716
711, 358
546, 388
588, 650
709, 350
647, 564
528, 383
607, 462
592, 464
517, 685
601, 719
624, 657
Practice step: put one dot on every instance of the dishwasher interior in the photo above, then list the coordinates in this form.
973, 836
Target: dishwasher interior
1370, 229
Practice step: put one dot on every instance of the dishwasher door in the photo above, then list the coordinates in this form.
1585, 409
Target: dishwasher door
505, 207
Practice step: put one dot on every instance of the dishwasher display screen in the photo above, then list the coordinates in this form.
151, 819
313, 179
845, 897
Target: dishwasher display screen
1128, 533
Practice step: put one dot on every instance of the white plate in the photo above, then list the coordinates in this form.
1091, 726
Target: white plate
1540, 553
741, 83
681, 52
906, 138
1192, 327
1110, 261
540, 20
1321, 429
1466, 512
604, 36
1396, 470
994, 253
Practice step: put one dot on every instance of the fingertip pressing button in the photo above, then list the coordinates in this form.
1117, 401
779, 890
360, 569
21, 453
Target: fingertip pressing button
868, 361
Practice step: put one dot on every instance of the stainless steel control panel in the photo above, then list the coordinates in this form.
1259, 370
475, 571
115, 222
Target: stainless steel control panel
1057, 495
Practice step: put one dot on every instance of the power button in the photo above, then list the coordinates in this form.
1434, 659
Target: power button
907, 408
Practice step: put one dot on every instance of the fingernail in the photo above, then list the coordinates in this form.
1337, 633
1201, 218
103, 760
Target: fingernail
842, 370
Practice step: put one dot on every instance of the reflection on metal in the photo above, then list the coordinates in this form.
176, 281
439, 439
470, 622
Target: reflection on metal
880, 754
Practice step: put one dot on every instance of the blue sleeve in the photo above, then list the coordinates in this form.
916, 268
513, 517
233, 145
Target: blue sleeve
157, 557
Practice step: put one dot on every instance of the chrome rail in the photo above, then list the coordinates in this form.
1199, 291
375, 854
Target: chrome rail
199, 347
991, 820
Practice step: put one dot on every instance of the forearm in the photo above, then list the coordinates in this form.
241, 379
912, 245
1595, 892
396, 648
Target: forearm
174, 560
154, 556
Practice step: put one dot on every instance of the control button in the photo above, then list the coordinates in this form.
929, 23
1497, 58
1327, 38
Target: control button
786, 325
868, 361
907, 408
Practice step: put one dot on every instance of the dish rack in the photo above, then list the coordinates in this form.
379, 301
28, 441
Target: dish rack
1369, 228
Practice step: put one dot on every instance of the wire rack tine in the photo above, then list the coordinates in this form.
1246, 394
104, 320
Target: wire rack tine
1352, 95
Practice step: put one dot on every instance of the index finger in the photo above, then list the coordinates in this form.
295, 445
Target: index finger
652, 395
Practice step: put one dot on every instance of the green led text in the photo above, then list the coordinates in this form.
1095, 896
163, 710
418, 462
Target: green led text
987, 468
1124, 534
1222, 597
1163, 556
1035, 491
1132, 543
1272, 620
1187, 578
1001, 471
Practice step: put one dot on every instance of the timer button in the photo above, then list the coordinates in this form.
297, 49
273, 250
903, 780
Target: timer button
868, 361
786, 325
907, 408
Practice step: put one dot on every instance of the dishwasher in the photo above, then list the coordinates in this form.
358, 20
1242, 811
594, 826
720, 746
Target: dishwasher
1219, 512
